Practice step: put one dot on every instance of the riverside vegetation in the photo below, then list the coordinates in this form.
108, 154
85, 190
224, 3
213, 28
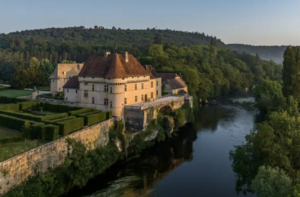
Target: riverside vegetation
268, 163
82, 164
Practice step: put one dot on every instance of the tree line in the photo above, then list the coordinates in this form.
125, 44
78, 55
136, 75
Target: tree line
268, 164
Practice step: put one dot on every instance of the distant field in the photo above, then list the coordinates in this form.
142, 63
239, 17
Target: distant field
44, 88
12, 149
8, 133
15, 93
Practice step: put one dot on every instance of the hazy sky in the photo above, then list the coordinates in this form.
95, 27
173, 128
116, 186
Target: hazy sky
258, 22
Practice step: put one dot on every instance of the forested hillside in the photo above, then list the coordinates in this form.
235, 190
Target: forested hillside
209, 68
274, 53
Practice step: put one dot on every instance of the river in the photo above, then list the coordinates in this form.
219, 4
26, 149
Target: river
194, 163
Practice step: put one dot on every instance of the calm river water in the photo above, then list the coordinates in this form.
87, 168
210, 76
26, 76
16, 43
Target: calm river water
194, 163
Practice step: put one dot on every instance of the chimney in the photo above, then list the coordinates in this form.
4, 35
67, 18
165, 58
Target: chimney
126, 56
107, 53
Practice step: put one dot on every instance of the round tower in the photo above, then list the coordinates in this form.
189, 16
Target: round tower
116, 95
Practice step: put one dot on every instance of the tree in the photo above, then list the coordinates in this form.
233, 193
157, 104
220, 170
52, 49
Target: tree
271, 182
290, 72
157, 39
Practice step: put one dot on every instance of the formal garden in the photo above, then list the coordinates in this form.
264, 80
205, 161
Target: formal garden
27, 124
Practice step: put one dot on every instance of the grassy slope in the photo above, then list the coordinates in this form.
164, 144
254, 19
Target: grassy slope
15, 93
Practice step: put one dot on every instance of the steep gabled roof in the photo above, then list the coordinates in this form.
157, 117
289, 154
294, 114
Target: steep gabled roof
63, 71
112, 66
72, 83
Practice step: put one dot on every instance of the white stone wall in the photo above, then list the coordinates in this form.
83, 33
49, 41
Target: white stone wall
71, 95
16, 170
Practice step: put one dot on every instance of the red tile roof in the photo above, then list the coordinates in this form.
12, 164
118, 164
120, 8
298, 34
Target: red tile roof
112, 66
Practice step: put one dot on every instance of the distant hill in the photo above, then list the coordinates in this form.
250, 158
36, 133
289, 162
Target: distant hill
102, 36
274, 53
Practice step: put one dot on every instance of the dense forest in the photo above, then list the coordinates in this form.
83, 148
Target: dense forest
269, 162
274, 53
208, 66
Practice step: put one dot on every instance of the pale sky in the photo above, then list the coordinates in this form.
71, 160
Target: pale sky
257, 22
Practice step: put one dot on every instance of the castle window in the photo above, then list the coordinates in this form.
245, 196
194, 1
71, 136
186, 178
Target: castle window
125, 101
136, 98
67, 90
156, 92
78, 66
52, 80
142, 85
86, 93
151, 84
110, 89
151, 94
93, 87
63, 73
122, 78
142, 97
58, 88
110, 104
105, 88
125, 88
93, 100
106, 101
76, 91
135, 86
156, 83
85, 83
66, 98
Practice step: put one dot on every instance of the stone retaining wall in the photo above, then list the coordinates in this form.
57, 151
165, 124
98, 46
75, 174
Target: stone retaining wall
16, 170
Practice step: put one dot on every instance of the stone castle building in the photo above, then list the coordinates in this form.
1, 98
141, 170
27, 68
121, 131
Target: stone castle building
112, 81
61, 74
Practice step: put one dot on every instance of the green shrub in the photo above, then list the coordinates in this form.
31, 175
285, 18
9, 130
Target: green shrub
109, 115
54, 116
53, 107
22, 115
4, 99
27, 105
94, 118
10, 140
12, 107
14, 122
89, 113
69, 126
80, 111
48, 132
60, 119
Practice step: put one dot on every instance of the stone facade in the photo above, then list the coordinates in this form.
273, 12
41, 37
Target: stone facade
16, 170
61, 74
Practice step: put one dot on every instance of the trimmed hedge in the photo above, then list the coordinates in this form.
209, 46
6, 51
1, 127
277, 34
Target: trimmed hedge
69, 126
54, 116
53, 107
33, 117
47, 132
89, 113
109, 115
30, 105
4, 99
12, 107
14, 122
60, 119
81, 111
93, 118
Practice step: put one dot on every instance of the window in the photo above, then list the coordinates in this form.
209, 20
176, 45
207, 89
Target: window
142, 97
122, 78
136, 98
93, 88
78, 66
67, 90
125, 88
135, 86
58, 88
93, 100
125, 101
110, 89
151, 94
156, 83
156, 93
86, 83
110, 104
63, 73
52, 80
151, 84
106, 101
105, 88
66, 98
76, 91
85, 93
142, 85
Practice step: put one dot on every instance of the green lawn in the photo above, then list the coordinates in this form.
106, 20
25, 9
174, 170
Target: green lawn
8, 133
15, 93
44, 88
12, 149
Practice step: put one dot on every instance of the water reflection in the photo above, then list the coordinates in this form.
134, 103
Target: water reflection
199, 153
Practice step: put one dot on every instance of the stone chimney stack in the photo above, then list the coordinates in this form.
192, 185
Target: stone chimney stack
126, 56
107, 53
